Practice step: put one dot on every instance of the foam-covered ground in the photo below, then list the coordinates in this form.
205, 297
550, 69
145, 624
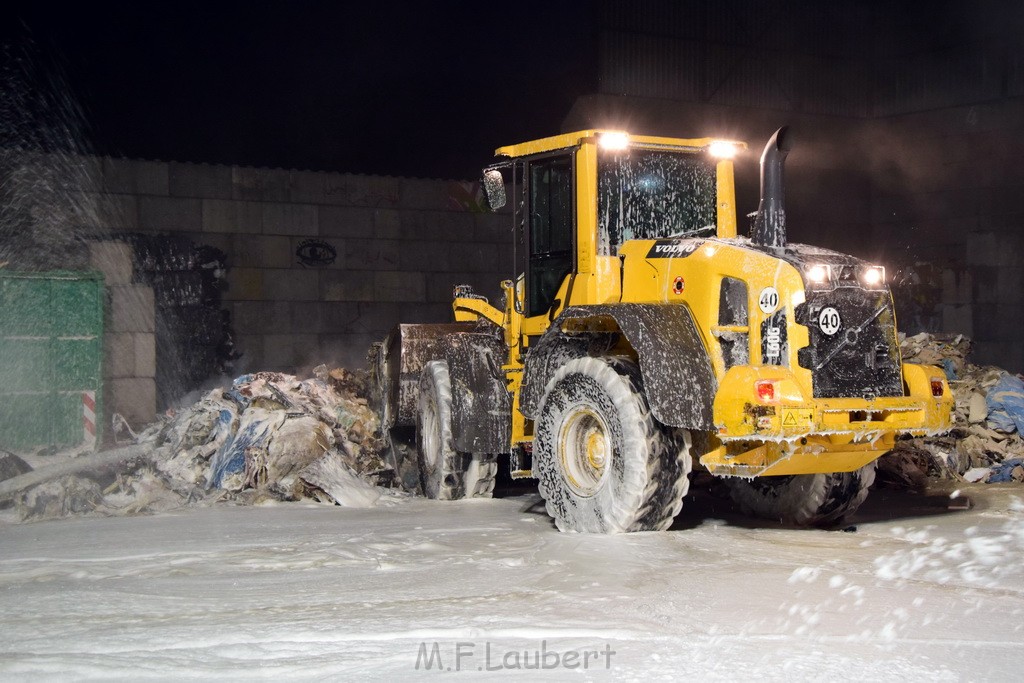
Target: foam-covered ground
304, 591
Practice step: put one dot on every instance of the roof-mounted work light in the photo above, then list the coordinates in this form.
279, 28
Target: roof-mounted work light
614, 141
722, 149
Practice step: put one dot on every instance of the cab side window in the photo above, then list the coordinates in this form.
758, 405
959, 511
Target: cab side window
551, 223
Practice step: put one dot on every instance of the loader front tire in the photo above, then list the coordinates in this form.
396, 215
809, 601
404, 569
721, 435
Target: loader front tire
804, 499
603, 463
445, 473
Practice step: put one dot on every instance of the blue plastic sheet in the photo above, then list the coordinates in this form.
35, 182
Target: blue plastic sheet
1001, 472
1006, 404
950, 369
253, 432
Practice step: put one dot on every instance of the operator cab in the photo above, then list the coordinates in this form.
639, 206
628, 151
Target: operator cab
647, 188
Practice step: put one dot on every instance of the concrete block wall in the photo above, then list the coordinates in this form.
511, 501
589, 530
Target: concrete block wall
399, 245
948, 192
129, 341
943, 174
997, 302
957, 307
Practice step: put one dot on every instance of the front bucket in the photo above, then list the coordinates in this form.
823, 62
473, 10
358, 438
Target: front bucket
398, 365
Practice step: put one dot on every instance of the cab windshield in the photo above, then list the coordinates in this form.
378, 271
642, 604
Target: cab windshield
654, 194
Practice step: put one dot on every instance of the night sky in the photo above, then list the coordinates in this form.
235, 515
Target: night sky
414, 89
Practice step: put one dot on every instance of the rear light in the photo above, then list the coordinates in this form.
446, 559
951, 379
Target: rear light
765, 390
936, 383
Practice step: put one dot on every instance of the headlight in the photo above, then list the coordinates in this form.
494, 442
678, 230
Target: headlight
817, 273
874, 275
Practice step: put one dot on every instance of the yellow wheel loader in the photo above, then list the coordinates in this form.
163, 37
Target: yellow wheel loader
642, 337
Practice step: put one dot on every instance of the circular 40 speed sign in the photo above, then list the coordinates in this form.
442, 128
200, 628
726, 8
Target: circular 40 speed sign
768, 300
829, 321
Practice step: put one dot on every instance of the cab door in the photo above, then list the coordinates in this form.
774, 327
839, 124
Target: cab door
550, 227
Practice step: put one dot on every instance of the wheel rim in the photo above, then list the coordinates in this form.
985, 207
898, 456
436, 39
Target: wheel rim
430, 438
585, 451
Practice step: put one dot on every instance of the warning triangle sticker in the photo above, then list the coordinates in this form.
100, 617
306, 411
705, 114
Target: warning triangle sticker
790, 419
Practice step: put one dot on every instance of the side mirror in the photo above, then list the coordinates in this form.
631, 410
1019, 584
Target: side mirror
494, 188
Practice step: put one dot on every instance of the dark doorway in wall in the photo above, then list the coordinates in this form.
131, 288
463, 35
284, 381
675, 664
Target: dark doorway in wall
194, 339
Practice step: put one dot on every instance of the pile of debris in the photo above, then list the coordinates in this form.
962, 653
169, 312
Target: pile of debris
269, 436
948, 352
985, 442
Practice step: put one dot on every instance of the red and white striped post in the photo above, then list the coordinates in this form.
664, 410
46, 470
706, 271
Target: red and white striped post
89, 419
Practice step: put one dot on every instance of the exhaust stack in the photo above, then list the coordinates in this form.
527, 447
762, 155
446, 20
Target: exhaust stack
769, 227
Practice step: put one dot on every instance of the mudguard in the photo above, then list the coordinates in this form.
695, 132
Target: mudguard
481, 403
678, 378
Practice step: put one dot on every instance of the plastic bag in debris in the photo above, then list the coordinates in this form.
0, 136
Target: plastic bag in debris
977, 475
1006, 404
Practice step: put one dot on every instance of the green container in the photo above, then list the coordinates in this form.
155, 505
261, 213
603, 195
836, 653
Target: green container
51, 355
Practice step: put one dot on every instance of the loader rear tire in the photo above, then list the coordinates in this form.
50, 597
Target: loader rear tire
603, 463
445, 473
805, 499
